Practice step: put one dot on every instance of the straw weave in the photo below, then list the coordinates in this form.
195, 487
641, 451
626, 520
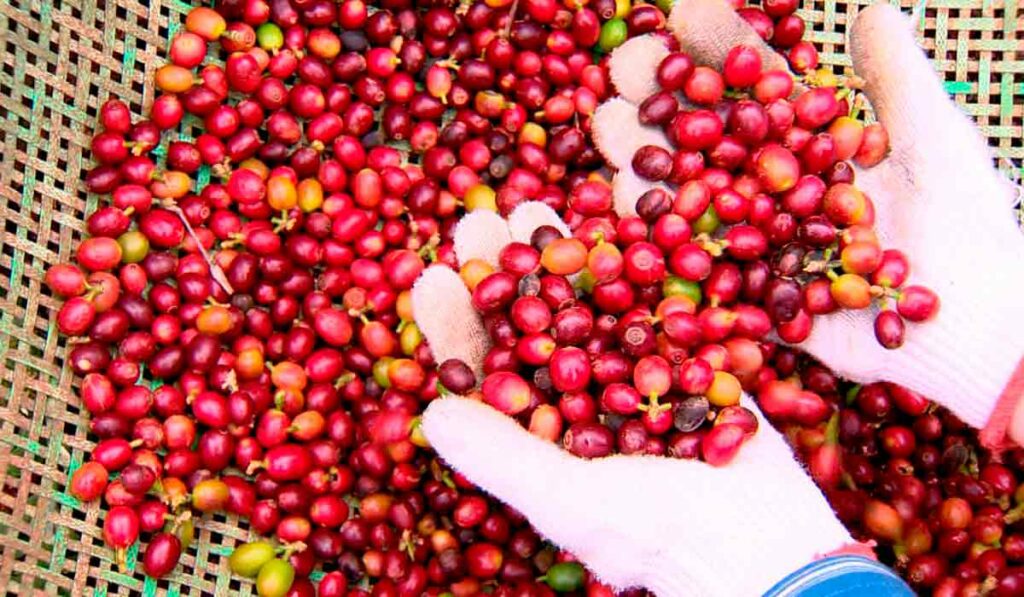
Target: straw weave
60, 61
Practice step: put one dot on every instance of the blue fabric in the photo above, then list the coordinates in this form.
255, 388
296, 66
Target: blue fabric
847, 576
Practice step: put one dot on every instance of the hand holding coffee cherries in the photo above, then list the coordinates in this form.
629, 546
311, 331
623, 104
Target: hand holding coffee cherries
631, 519
634, 520
937, 197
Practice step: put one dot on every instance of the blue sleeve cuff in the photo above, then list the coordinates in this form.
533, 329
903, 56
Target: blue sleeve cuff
847, 576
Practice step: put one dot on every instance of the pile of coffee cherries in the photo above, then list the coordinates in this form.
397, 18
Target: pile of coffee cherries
239, 341
247, 345
913, 478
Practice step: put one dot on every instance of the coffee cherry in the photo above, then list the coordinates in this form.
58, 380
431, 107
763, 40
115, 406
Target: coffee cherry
652, 162
889, 329
742, 67
589, 440
506, 392
917, 303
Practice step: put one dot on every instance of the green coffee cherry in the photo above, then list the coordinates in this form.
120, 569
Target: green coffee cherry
134, 246
275, 578
674, 286
380, 372
565, 577
186, 533
708, 221
613, 34
248, 559
410, 338
665, 5
269, 37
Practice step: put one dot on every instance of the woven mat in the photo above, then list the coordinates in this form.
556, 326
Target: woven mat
60, 60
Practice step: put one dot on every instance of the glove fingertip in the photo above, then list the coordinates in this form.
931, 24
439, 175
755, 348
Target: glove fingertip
627, 187
633, 67
908, 97
530, 216
443, 310
618, 133
451, 422
480, 234
708, 29
605, 125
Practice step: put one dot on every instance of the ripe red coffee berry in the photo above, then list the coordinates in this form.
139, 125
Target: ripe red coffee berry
696, 130
652, 162
120, 530
506, 392
570, 369
644, 264
721, 444
889, 329
777, 168
161, 555
704, 86
89, 481
456, 376
589, 440
917, 303
674, 70
658, 109
742, 67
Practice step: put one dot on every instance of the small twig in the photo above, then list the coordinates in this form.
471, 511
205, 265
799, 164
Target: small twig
511, 17
215, 270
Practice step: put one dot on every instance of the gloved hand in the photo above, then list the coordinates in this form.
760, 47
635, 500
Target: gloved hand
678, 527
937, 196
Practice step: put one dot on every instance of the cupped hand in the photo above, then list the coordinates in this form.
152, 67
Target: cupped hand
937, 196
677, 527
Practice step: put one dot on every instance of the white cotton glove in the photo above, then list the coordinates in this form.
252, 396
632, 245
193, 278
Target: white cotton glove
676, 527
937, 196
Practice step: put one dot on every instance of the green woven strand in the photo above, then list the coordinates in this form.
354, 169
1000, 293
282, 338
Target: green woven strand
60, 548
24, 443
128, 62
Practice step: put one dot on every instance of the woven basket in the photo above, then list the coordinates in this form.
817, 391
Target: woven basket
60, 60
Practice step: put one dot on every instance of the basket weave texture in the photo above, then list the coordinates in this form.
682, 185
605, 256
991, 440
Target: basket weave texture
60, 60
